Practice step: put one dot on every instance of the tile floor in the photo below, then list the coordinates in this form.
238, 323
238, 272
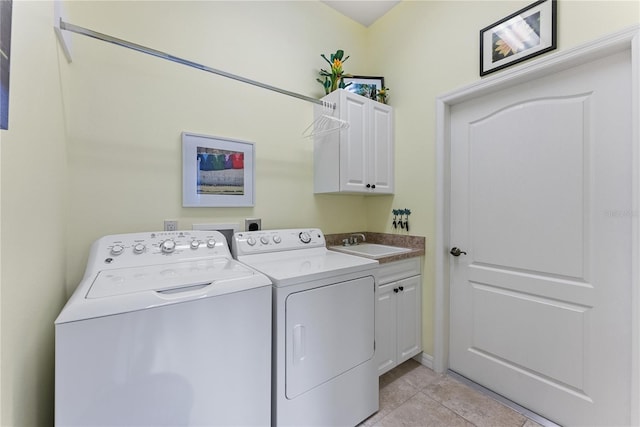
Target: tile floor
413, 395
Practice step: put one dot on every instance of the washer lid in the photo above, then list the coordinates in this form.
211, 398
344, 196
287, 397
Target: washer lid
166, 278
123, 290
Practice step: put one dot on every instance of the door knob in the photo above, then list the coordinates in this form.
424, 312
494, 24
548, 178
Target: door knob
457, 252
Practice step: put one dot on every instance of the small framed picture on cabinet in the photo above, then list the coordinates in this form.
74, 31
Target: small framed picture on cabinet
364, 85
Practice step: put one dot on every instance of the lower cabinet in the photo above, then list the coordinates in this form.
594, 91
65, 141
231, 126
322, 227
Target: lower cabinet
398, 313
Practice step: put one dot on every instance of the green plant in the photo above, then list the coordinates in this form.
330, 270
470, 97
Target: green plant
334, 79
382, 94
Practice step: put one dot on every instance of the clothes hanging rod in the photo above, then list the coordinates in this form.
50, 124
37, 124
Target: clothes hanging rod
153, 52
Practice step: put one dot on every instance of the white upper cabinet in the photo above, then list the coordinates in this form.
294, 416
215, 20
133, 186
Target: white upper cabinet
358, 158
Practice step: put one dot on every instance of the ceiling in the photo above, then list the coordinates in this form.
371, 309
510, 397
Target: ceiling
365, 12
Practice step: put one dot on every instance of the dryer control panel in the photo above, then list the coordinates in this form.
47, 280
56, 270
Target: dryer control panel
137, 249
255, 242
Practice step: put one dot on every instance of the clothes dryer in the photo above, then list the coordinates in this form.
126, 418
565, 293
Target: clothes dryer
323, 327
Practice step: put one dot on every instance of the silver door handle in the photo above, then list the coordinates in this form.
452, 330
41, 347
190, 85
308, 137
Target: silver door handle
457, 252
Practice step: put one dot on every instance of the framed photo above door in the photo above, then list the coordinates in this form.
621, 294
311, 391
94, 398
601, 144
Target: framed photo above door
522, 35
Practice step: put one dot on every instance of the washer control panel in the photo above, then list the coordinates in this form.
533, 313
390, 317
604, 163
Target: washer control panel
138, 249
255, 242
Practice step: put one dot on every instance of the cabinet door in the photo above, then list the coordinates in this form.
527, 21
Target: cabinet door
386, 312
409, 318
354, 152
381, 149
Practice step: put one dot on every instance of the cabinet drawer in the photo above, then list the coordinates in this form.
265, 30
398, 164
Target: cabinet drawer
398, 270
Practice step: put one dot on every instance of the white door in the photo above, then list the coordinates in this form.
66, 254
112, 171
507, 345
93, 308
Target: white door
354, 148
386, 328
398, 322
541, 184
409, 317
382, 149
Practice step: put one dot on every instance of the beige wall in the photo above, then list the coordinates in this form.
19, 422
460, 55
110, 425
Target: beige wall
116, 166
427, 48
129, 109
34, 218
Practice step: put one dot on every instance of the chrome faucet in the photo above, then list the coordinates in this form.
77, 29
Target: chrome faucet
353, 240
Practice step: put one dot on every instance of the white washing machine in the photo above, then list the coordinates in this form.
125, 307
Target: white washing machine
323, 327
165, 329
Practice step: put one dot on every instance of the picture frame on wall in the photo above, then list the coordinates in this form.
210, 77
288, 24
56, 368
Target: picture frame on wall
364, 85
520, 36
6, 11
217, 172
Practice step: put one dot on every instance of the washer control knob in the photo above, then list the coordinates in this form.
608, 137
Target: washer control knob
251, 241
194, 244
211, 243
139, 248
304, 237
117, 249
277, 239
168, 246
264, 240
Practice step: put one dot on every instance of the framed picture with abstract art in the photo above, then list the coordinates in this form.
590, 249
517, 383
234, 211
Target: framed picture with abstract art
527, 33
6, 7
217, 172
364, 85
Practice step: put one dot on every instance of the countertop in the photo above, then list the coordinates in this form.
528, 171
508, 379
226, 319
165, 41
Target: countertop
415, 243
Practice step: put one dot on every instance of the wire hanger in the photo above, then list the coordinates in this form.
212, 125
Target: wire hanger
325, 123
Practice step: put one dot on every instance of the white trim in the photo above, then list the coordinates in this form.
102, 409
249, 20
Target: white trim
635, 232
506, 402
441, 311
628, 39
547, 65
424, 359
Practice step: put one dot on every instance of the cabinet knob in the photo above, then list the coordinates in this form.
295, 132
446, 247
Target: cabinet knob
368, 185
373, 186
395, 290
401, 288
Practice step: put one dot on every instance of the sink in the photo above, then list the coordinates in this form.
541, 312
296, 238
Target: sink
371, 250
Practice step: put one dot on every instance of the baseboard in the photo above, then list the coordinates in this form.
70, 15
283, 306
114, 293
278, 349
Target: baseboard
424, 359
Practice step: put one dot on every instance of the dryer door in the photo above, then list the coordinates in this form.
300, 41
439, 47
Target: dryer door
330, 330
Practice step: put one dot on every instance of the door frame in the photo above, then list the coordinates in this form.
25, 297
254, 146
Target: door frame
625, 40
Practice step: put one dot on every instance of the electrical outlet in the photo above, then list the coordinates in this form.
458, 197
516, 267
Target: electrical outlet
170, 225
252, 224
